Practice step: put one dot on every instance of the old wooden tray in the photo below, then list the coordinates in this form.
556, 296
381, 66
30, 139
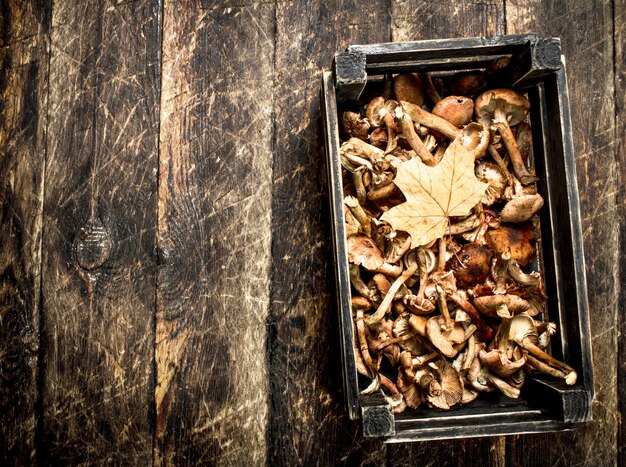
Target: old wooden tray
537, 68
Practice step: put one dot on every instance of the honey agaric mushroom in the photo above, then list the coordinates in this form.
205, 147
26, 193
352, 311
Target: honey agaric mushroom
471, 264
458, 110
504, 107
408, 130
429, 120
359, 213
451, 386
385, 306
499, 359
524, 333
517, 239
482, 379
490, 173
354, 126
397, 247
484, 331
521, 208
363, 251
408, 87
429, 87
442, 331
489, 305
359, 305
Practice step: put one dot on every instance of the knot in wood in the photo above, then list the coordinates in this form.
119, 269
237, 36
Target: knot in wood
92, 246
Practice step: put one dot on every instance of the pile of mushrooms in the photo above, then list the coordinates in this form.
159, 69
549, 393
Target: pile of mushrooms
440, 323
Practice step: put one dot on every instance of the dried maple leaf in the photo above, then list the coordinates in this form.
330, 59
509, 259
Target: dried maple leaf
433, 194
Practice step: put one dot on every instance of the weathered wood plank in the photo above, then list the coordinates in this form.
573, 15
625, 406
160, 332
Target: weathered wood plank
214, 233
418, 20
586, 29
422, 19
99, 267
308, 422
23, 102
619, 11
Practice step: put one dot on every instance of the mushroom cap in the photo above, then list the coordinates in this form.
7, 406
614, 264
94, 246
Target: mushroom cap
362, 250
523, 326
489, 304
521, 208
451, 386
458, 110
471, 264
361, 303
354, 126
373, 111
443, 341
408, 87
514, 105
490, 173
499, 363
409, 389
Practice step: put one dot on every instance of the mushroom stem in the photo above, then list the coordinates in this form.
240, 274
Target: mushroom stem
441, 265
568, 373
443, 307
408, 130
383, 192
511, 146
467, 224
359, 213
431, 90
432, 121
495, 155
385, 305
357, 281
359, 186
484, 331
504, 387
363, 346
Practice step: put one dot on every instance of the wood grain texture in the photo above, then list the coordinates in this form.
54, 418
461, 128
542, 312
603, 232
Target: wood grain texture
619, 39
304, 353
418, 20
414, 20
586, 30
99, 266
23, 99
214, 233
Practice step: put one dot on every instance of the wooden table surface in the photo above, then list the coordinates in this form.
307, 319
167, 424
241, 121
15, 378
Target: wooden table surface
166, 289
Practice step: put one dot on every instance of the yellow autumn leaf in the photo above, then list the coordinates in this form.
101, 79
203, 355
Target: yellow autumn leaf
434, 194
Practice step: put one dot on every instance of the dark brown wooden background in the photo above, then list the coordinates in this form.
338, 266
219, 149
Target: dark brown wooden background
165, 276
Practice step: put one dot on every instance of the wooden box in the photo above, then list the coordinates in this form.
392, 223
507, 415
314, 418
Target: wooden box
536, 67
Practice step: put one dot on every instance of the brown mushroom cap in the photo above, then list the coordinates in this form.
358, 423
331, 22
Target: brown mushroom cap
513, 104
362, 250
471, 264
408, 87
354, 126
498, 362
444, 341
373, 111
458, 110
489, 304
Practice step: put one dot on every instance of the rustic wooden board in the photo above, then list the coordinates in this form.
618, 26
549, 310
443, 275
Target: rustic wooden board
99, 262
308, 422
23, 100
619, 11
440, 20
214, 233
587, 42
